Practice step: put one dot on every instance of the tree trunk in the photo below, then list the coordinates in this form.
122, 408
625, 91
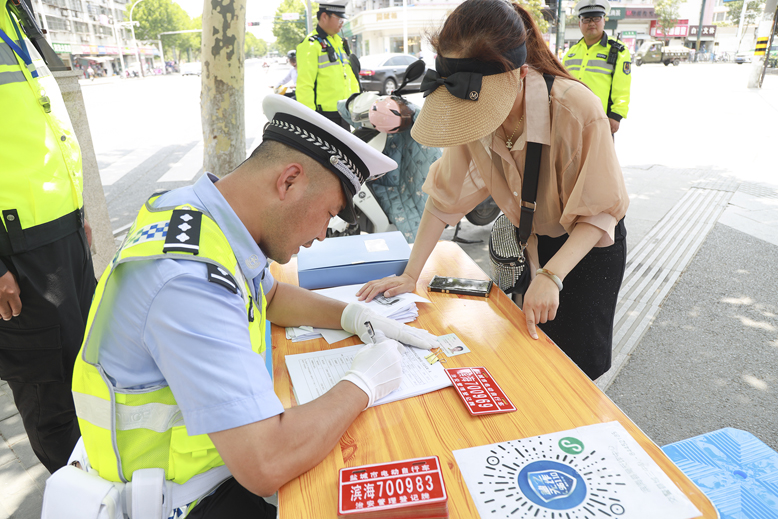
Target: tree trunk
221, 100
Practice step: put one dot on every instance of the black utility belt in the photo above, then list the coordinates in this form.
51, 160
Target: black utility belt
16, 240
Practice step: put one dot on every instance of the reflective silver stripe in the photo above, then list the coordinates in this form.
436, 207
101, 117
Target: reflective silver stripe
7, 56
323, 58
599, 63
573, 62
154, 416
573, 68
93, 409
11, 77
594, 70
329, 64
43, 70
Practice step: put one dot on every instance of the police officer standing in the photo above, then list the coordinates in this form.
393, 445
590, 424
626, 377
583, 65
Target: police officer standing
324, 75
46, 275
602, 63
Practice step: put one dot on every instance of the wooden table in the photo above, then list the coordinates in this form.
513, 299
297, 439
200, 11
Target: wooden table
550, 392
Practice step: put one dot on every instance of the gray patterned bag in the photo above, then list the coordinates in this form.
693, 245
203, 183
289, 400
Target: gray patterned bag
510, 269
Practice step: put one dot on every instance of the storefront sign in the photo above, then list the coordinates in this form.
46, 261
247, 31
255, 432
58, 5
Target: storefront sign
92, 49
629, 34
707, 30
100, 49
640, 12
63, 48
617, 13
386, 16
681, 29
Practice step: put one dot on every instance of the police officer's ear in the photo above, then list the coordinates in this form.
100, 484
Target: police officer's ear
291, 181
524, 70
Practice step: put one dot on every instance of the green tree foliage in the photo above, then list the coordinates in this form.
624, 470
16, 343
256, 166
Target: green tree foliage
667, 12
535, 7
289, 33
754, 10
158, 16
254, 47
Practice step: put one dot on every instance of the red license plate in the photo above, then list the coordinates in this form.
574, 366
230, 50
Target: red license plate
479, 391
389, 486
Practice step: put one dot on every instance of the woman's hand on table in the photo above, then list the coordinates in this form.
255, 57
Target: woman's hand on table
390, 286
540, 303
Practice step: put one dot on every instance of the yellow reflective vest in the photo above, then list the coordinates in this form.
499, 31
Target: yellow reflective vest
40, 160
128, 430
608, 78
324, 75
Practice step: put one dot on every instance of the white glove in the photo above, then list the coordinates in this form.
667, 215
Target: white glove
377, 368
355, 315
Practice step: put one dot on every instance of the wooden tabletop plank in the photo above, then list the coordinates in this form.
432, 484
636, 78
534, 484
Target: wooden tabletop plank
550, 392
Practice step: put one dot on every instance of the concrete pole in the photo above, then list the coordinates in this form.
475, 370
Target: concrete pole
765, 25
134, 41
405, 26
308, 17
119, 44
560, 28
103, 247
699, 30
741, 26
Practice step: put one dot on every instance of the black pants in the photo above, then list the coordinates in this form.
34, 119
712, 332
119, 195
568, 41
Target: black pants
337, 119
583, 327
232, 500
39, 347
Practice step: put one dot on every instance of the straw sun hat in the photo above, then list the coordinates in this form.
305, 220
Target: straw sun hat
466, 99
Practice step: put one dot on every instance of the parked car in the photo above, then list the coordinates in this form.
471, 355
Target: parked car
744, 57
191, 68
384, 72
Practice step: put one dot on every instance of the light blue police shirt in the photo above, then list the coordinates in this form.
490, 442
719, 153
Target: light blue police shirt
166, 324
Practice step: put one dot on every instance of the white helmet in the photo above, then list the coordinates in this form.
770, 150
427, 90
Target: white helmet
360, 108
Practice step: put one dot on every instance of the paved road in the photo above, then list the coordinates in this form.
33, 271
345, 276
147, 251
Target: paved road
701, 359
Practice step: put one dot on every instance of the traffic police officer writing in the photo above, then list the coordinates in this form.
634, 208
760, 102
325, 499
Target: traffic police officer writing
171, 388
602, 63
324, 75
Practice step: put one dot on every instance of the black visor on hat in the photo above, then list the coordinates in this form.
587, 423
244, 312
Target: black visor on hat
326, 149
463, 77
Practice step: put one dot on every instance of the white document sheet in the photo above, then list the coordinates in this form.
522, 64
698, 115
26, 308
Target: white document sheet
592, 471
313, 374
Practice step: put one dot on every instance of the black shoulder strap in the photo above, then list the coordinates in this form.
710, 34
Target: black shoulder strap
529, 185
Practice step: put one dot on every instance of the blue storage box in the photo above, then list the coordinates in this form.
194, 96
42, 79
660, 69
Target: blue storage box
737, 472
348, 260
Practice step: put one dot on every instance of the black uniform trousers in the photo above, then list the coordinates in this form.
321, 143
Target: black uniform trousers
39, 347
232, 500
583, 327
337, 119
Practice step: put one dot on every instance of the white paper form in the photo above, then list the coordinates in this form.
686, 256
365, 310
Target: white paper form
592, 471
313, 374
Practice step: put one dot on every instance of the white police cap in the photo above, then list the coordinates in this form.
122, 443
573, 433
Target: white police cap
338, 8
593, 8
349, 158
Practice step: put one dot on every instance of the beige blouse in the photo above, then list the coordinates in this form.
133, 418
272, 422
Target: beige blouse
580, 177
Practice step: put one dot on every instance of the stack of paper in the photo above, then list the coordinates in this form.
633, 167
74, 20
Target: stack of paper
313, 374
401, 308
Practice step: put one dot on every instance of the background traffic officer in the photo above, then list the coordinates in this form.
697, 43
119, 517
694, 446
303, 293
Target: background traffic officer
324, 75
46, 275
603, 63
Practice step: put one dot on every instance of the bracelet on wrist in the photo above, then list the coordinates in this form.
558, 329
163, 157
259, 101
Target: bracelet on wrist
551, 275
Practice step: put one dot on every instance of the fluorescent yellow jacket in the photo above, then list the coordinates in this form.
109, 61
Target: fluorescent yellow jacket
40, 160
610, 82
324, 75
128, 430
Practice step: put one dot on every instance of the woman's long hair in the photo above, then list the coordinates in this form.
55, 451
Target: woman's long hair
486, 29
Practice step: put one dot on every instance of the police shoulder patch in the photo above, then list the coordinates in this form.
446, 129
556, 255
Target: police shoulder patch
627, 67
222, 277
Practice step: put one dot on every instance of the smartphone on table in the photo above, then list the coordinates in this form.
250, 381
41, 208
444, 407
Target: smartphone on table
463, 286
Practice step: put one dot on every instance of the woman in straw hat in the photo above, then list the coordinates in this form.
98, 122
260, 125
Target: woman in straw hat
487, 99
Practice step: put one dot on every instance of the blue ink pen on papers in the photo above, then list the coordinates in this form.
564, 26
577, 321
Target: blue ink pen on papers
370, 331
